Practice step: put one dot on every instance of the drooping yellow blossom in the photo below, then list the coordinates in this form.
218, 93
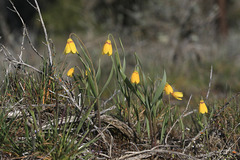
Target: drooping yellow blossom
135, 77
202, 107
177, 95
70, 47
168, 89
107, 48
70, 72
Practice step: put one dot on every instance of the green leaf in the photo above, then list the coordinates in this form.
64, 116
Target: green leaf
85, 53
154, 110
148, 127
124, 63
163, 129
108, 80
117, 59
137, 60
144, 81
98, 74
85, 65
124, 60
92, 86
182, 127
160, 89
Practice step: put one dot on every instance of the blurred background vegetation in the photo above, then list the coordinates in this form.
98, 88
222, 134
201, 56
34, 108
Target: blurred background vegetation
184, 37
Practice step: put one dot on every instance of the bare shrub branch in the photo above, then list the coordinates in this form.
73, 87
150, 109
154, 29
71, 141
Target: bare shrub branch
24, 26
45, 32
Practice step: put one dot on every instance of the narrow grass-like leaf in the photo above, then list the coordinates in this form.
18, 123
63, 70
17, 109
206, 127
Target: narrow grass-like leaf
137, 60
160, 89
124, 59
182, 128
117, 60
98, 74
107, 82
144, 79
92, 85
148, 127
163, 128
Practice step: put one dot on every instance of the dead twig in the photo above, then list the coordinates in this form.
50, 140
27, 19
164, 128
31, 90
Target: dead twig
13, 60
210, 82
26, 31
45, 32
114, 94
22, 45
72, 99
148, 153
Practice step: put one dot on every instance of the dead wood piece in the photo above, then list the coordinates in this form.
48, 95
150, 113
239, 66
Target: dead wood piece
124, 128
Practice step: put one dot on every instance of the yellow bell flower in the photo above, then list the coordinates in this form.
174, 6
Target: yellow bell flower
107, 48
70, 47
168, 89
202, 107
70, 72
177, 95
135, 77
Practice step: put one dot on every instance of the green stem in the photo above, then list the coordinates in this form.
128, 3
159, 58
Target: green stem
169, 99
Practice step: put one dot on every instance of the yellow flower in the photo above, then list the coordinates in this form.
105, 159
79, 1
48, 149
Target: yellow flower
177, 95
135, 77
86, 72
70, 72
202, 107
168, 89
70, 47
107, 48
